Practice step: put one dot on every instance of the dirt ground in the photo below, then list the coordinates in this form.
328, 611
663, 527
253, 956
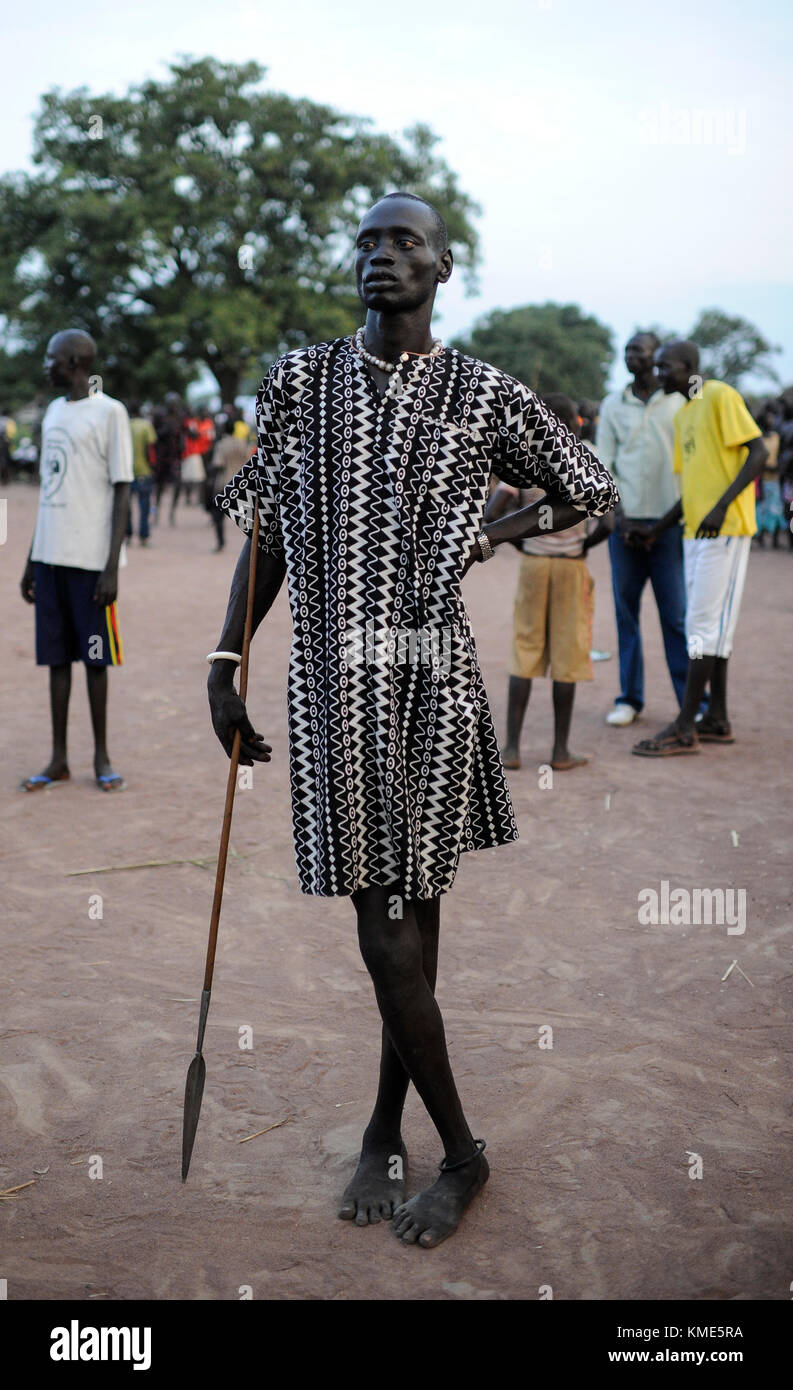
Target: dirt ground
656, 1059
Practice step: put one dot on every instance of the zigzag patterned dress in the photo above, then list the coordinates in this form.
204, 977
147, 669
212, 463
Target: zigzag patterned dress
375, 504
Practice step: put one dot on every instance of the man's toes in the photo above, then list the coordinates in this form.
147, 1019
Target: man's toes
411, 1235
362, 1216
374, 1216
386, 1210
430, 1238
402, 1220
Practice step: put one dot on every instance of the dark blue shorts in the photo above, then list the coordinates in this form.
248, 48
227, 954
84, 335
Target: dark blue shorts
70, 626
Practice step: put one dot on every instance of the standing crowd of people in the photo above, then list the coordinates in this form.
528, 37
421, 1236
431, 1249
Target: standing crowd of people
190, 453
698, 479
699, 482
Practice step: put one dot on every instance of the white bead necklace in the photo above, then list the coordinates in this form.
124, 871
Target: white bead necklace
396, 385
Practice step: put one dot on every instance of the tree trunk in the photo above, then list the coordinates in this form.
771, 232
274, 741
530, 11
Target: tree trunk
227, 378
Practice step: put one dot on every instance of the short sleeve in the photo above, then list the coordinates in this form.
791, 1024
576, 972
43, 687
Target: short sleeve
258, 481
533, 448
118, 443
736, 425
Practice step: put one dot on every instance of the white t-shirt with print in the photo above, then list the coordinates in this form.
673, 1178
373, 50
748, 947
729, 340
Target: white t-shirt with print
86, 447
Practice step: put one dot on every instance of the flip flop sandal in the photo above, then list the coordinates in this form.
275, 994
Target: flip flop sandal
41, 781
110, 782
669, 747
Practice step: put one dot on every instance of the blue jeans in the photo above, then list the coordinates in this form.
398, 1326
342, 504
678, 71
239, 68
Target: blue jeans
140, 488
631, 567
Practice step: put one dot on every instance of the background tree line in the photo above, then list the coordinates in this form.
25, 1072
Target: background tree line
203, 221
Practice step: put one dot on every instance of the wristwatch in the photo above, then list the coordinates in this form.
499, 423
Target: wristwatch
486, 548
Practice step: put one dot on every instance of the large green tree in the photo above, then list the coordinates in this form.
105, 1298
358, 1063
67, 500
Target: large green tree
549, 347
731, 348
201, 219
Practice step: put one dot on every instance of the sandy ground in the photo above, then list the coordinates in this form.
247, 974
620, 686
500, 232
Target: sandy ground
654, 1057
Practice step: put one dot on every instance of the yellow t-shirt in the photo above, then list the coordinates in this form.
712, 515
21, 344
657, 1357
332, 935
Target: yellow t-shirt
243, 431
143, 435
710, 432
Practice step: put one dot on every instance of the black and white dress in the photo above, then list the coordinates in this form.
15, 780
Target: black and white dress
394, 763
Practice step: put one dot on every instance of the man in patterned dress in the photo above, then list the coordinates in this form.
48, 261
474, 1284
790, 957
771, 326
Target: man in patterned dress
371, 477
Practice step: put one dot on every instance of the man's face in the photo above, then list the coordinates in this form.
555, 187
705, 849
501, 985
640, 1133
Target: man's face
639, 355
59, 365
673, 372
397, 266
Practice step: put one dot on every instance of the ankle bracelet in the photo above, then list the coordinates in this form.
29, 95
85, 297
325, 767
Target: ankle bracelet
447, 1167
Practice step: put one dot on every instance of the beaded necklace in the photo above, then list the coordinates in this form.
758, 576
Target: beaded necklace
396, 385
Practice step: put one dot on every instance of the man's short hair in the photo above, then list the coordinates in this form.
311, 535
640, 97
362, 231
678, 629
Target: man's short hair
79, 345
685, 351
440, 235
647, 333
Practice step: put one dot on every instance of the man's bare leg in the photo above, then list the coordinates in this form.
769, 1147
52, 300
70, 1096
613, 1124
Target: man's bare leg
518, 692
96, 682
392, 952
563, 698
372, 1194
60, 690
700, 673
717, 708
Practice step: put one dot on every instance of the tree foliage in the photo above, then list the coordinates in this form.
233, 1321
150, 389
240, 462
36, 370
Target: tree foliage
732, 348
549, 347
200, 219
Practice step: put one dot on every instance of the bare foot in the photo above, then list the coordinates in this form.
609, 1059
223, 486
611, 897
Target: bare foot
435, 1214
378, 1184
564, 761
510, 757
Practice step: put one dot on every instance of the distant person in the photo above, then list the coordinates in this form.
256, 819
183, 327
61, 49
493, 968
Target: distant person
167, 420
771, 509
635, 440
242, 429
785, 430
554, 606
144, 440
588, 414
718, 453
230, 455
199, 437
72, 571
8, 431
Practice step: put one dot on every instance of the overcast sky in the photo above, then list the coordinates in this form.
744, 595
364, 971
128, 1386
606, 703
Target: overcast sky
634, 159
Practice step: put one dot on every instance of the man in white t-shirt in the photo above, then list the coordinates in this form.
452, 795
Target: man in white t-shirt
72, 570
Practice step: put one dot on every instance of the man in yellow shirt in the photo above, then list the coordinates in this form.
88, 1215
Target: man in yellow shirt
718, 452
143, 438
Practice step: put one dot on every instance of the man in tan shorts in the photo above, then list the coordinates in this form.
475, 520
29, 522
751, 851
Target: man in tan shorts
554, 605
